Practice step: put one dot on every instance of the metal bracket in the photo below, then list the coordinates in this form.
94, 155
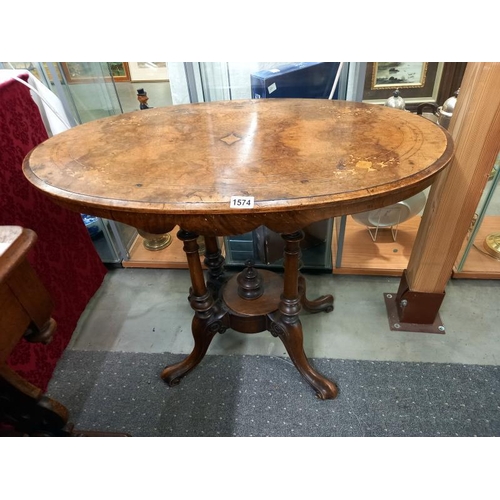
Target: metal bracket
395, 323
414, 311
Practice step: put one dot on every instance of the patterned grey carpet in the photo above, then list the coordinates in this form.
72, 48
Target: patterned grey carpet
266, 396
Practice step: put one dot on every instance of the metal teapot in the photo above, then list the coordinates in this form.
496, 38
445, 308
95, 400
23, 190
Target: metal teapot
395, 101
442, 113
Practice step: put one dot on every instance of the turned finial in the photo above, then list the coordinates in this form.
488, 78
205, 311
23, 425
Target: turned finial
249, 282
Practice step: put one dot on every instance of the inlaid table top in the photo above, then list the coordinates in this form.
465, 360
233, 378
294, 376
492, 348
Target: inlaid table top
302, 160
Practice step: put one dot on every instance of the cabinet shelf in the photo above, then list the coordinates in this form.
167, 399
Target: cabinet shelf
171, 257
478, 264
384, 257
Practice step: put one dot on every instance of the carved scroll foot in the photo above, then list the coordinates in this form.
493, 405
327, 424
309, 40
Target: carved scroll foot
203, 332
321, 304
292, 338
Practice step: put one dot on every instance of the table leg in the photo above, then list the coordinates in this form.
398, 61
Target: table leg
208, 319
215, 264
286, 325
323, 303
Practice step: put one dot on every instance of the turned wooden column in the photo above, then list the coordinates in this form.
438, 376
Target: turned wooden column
290, 301
475, 128
215, 264
209, 317
199, 297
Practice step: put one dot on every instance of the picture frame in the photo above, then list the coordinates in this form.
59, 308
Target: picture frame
148, 71
432, 82
415, 81
85, 72
391, 75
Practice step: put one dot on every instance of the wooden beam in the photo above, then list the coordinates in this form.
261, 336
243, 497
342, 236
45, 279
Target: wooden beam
454, 197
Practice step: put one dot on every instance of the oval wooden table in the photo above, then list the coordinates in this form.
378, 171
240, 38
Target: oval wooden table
225, 168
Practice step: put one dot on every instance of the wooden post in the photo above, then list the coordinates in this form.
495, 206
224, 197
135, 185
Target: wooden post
453, 199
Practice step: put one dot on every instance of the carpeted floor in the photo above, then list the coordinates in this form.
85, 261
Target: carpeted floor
265, 396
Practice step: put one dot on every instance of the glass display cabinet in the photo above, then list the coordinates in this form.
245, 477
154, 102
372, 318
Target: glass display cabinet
480, 255
266, 248
378, 242
111, 239
361, 248
88, 91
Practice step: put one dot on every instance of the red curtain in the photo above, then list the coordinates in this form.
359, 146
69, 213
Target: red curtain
64, 256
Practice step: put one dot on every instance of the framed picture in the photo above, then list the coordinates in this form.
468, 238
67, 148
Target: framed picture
120, 71
84, 72
148, 71
390, 75
418, 82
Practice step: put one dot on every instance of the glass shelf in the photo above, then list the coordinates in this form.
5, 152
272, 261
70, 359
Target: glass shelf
475, 260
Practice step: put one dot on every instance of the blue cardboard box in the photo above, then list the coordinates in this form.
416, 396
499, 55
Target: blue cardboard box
313, 80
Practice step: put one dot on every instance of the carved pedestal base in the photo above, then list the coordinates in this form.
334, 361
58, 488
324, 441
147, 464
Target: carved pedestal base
252, 302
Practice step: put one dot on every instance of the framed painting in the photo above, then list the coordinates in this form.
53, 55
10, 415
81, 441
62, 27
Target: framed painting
415, 80
390, 75
84, 72
148, 71
120, 71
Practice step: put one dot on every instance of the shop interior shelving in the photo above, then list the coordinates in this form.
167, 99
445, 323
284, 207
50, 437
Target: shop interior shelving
171, 257
355, 252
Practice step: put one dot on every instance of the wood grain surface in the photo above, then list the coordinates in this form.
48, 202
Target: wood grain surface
15, 242
302, 160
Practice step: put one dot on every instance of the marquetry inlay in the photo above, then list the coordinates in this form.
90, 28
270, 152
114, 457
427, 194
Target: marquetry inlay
231, 139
